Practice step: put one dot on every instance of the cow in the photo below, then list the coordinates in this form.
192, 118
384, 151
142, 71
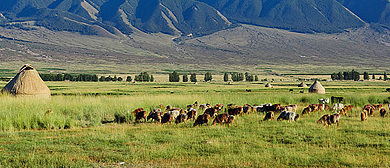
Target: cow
140, 115
291, 107
313, 107
336, 99
383, 112
211, 111
378, 106
363, 115
155, 115
323, 101
297, 117
247, 108
221, 118
136, 111
167, 118
236, 110
191, 114
174, 112
272, 107
231, 120
323, 119
181, 118
219, 106
306, 110
337, 107
202, 119
332, 119
286, 115
269, 116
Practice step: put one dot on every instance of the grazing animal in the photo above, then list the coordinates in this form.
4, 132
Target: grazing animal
324, 101
221, 118
202, 119
363, 115
286, 115
332, 119
219, 106
306, 110
371, 112
238, 110
202, 107
174, 112
167, 118
247, 109
297, 117
337, 107
168, 108
378, 106
155, 115
313, 107
181, 118
269, 116
343, 111
140, 115
336, 99
383, 112
211, 111
231, 120
191, 114
136, 111
291, 107
323, 119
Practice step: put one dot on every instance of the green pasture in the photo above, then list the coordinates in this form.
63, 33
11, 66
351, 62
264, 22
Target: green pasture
74, 134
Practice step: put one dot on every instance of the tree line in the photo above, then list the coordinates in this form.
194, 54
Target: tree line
354, 75
142, 77
175, 77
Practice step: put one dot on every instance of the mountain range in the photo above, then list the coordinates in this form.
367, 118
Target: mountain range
166, 31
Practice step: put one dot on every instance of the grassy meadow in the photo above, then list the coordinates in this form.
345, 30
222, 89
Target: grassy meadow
74, 135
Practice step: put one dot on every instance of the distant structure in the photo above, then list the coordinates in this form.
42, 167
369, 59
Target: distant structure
302, 85
268, 85
27, 83
316, 87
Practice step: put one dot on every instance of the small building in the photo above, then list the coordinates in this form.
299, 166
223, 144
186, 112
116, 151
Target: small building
316, 87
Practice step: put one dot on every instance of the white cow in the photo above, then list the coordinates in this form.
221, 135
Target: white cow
324, 101
337, 107
286, 115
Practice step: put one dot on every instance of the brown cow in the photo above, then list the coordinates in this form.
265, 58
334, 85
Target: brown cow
219, 106
236, 110
192, 114
211, 111
140, 115
231, 120
269, 116
155, 115
136, 111
383, 112
221, 118
363, 115
378, 106
167, 118
332, 119
323, 119
297, 117
181, 118
306, 111
202, 119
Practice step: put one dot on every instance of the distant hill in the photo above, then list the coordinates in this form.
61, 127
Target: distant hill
196, 17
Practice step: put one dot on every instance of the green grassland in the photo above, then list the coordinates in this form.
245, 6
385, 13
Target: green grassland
74, 136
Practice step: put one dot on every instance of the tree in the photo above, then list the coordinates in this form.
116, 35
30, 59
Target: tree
208, 76
384, 76
151, 78
115, 78
120, 79
373, 76
225, 77
102, 78
95, 78
248, 77
256, 78
366, 76
193, 78
174, 77
129, 79
185, 78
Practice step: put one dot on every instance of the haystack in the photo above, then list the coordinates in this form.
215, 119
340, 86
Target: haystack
27, 83
268, 85
316, 87
302, 85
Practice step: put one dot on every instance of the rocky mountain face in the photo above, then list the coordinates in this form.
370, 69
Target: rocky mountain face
194, 17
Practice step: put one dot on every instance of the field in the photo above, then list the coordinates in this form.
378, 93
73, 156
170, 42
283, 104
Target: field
75, 136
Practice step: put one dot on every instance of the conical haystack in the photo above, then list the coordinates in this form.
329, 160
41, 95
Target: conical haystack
27, 83
316, 87
302, 85
268, 85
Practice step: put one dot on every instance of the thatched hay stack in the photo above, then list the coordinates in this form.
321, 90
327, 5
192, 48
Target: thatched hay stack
268, 85
316, 87
27, 83
302, 85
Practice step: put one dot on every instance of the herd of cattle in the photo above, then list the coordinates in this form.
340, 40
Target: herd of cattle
232, 111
